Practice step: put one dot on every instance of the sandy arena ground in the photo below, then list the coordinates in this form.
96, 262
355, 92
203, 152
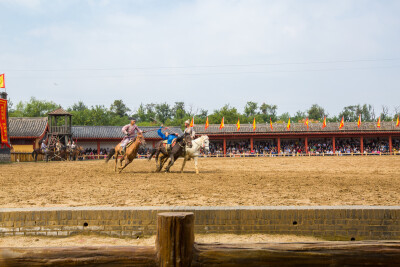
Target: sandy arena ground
92, 240
372, 180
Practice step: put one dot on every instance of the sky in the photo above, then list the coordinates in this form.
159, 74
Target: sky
207, 53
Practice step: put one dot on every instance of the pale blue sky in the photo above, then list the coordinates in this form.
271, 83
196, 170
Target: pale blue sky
206, 53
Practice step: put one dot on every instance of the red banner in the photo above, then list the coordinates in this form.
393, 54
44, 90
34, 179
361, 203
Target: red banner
3, 121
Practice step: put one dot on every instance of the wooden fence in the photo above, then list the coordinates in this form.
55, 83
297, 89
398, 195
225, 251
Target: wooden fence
175, 246
26, 156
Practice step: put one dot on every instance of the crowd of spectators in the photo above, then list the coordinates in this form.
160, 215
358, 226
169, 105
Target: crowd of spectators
348, 146
376, 146
288, 147
321, 146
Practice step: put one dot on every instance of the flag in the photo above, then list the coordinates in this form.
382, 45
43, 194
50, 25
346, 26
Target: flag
398, 122
288, 125
222, 124
324, 123
379, 123
3, 122
306, 123
359, 121
2, 83
238, 125
207, 124
341, 123
254, 124
192, 123
270, 123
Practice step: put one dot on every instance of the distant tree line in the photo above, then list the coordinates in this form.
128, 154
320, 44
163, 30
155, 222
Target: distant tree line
119, 113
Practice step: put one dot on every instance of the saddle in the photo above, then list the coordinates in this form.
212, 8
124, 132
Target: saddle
130, 142
165, 143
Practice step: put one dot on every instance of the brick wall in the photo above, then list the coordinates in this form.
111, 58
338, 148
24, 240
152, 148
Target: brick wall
330, 223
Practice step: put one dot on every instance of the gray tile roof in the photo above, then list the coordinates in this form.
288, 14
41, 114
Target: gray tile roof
297, 127
26, 127
60, 111
105, 132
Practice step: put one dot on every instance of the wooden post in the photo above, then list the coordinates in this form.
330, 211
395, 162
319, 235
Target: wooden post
306, 144
224, 146
390, 145
362, 144
98, 147
279, 145
251, 143
333, 145
175, 238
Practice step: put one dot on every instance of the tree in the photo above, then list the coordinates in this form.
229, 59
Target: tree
268, 111
300, 115
284, 116
150, 112
141, 114
178, 111
316, 112
119, 108
385, 114
351, 113
80, 106
229, 113
163, 112
34, 108
250, 110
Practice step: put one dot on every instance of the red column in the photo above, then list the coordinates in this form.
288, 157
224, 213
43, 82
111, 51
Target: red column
98, 147
279, 145
154, 144
333, 144
390, 144
224, 146
251, 143
306, 144
362, 144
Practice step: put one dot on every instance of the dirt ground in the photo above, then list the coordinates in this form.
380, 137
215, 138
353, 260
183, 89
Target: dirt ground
372, 180
92, 240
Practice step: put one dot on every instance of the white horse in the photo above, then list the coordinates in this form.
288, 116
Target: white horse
194, 151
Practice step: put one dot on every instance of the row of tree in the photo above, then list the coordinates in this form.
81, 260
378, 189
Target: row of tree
153, 114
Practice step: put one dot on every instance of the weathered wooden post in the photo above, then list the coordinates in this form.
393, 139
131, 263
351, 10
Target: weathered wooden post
175, 238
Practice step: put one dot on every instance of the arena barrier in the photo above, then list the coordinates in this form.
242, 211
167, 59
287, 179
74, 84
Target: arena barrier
26, 156
175, 246
327, 222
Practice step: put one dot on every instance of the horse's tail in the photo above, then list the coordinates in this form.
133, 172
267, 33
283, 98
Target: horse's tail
110, 154
153, 151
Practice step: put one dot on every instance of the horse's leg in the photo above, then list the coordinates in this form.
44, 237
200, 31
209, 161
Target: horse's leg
116, 161
195, 165
183, 164
172, 161
161, 161
126, 161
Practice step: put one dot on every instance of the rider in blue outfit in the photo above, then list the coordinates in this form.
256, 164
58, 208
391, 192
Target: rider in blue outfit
167, 136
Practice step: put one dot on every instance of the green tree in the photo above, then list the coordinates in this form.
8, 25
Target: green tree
284, 117
141, 115
250, 110
34, 108
269, 111
163, 112
229, 113
300, 115
316, 112
178, 111
119, 108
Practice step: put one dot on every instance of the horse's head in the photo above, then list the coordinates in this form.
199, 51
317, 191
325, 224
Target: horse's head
141, 139
188, 139
205, 143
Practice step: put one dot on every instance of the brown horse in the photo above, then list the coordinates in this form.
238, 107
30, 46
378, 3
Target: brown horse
178, 150
130, 153
75, 153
